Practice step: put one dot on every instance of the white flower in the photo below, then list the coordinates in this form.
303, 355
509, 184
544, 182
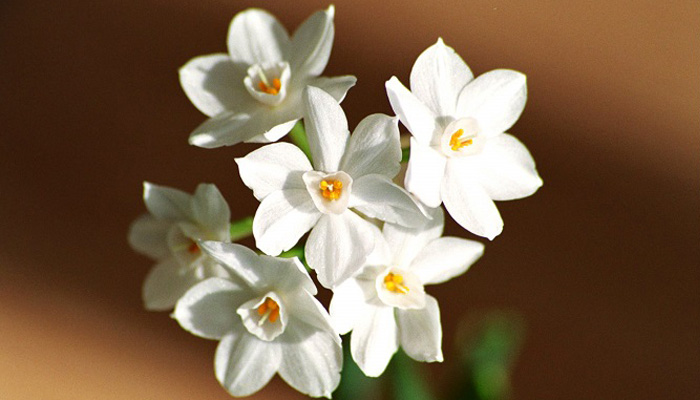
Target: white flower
459, 153
350, 174
169, 235
254, 93
385, 305
267, 320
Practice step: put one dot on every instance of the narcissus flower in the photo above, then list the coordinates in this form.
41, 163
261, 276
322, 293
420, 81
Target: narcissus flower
254, 92
169, 234
385, 305
460, 155
351, 174
267, 321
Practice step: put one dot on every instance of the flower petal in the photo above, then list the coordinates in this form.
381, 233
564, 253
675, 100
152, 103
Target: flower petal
406, 243
274, 167
425, 173
495, 99
445, 258
378, 197
468, 203
244, 364
374, 339
338, 246
165, 283
343, 308
311, 359
214, 85
282, 218
506, 169
416, 116
437, 77
208, 309
229, 128
211, 211
255, 36
148, 236
374, 148
167, 203
312, 42
326, 129
420, 331
336, 86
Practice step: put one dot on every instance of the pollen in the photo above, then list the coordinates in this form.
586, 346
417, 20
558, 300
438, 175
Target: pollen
394, 283
269, 310
273, 89
456, 143
193, 248
331, 189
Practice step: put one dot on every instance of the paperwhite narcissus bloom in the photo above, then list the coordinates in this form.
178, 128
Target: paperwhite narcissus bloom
169, 235
254, 92
267, 320
459, 153
350, 173
385, 305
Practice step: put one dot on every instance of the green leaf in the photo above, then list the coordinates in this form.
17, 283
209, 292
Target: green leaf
407, 381
353, 382
405, 154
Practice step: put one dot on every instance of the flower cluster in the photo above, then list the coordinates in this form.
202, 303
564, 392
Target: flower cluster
374, 243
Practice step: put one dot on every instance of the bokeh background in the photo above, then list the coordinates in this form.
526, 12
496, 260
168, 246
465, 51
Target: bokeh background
602, 264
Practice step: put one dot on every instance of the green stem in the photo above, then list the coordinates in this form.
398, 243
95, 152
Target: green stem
298, 137
405, 154
241, 229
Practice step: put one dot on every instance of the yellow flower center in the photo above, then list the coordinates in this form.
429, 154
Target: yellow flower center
268, 310
456, 143
394, 283
273, 89
331, 189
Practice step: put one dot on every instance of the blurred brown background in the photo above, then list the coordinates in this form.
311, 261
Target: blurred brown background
602, 262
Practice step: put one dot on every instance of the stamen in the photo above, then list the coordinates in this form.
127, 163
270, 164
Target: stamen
265, 86
193, 248
269, 310
456, 144
331, 190
394, 283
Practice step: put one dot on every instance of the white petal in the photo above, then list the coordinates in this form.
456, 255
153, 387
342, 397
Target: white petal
244, 364
437, 77
312, 42
506, 169
445, 258
167, 203
338, 246
211, 211
425, 173
416, 116
229, 128
374, 339
336, 86
343, 308
260, 271
209, 308
255, 36
214, 85
378, 197
165, 283
468, 203
274, 167
420, 331
311, 359
374, 148
282, 218
326, 129
495, 99
148, 236
406, 243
